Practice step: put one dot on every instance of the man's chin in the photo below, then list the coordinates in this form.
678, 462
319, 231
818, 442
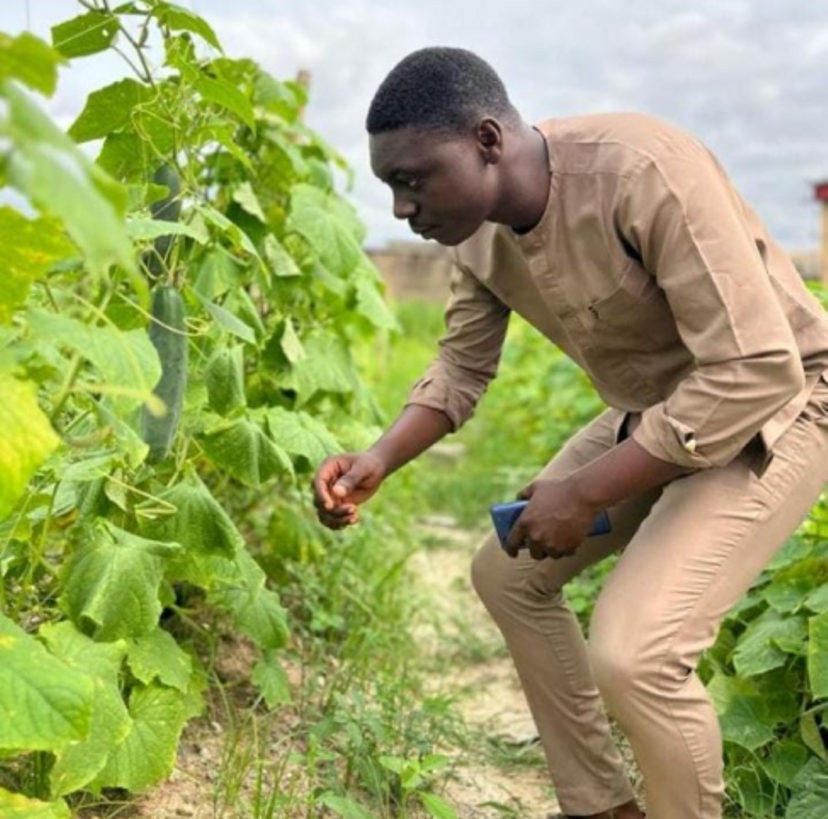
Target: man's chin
451, 238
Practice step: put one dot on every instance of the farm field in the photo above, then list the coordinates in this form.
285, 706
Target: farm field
188, 326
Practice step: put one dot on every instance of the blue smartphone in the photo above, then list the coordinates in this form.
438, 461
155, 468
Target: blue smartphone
504, 516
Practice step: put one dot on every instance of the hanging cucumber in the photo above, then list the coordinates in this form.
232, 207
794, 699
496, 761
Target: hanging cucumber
168, 335
167, 209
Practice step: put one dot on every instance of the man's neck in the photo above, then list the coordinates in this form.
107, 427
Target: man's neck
525, 185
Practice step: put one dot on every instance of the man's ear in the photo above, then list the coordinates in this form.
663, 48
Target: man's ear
489, 135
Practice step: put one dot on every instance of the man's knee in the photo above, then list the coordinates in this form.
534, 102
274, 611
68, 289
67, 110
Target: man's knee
615, 668
486, 569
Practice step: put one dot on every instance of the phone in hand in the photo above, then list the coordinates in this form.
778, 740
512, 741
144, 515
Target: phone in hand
504, 516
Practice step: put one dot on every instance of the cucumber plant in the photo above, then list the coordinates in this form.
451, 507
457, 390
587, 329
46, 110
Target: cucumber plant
175, 322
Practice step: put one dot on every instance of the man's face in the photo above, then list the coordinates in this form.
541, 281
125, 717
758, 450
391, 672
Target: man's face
440, 184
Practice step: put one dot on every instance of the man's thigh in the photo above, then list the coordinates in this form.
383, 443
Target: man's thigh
704, 542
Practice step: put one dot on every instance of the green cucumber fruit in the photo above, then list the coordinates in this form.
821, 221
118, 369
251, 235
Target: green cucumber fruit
168, 336
224, 377
167, 209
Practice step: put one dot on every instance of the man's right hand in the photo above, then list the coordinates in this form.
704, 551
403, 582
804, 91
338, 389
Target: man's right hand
341, 483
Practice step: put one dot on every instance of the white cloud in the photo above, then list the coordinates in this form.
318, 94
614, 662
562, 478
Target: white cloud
746, 77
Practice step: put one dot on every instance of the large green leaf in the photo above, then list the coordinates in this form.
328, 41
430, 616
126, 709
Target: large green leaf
255, 608
246, 197
787, 597
144, 230
158, 656
199, 523
291, 344
245, 452
280, 262
370, 302
26, 441
743, 712
111, 583
231, 231
108, 109
147, 755
228, 321
818, 655
319, 219
217, 273
784, 762
817, 600
811, 733
177, 18
326, 367
30, 248
766, 643
30, 60
78, 763
87, 34
301, 434
44, 704
810, 793
229, 97
45, 164
126, 360
17, 806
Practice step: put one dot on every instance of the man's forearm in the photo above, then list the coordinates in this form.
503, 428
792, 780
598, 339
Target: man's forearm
622, 472
416, 429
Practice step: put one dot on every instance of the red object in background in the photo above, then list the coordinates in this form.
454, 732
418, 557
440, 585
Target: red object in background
821, 191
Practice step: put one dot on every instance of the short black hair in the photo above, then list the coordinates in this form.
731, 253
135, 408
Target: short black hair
439, 88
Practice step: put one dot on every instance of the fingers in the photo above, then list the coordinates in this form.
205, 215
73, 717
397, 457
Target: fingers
331, 510
346, 484
321, 483
339, 518
516, 537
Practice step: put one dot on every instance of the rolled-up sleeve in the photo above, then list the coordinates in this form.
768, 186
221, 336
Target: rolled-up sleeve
688, 225
469, 352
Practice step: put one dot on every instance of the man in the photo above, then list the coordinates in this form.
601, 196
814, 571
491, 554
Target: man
620, 238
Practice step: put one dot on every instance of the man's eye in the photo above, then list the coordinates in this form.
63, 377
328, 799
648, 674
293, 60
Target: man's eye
414, 184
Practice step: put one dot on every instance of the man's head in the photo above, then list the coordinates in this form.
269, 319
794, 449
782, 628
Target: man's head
437, 125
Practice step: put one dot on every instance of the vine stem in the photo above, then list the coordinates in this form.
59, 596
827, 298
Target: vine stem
139, 51
74, 368
37, 558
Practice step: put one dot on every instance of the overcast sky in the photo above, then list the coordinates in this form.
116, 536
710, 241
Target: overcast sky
749, 77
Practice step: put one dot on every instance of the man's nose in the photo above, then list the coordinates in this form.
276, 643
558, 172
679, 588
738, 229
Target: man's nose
404, 208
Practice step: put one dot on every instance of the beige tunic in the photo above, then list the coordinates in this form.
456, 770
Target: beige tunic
650, 271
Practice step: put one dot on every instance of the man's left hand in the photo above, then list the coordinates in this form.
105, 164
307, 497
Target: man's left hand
555, 522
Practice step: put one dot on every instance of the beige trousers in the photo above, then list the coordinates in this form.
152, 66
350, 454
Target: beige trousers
690, 550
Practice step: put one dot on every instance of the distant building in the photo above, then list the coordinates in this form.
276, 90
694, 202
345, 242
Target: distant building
413, 270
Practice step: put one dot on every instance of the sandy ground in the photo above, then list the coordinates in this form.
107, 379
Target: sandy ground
461, 639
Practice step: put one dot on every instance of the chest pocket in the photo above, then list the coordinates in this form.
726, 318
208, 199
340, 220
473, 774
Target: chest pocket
634, 317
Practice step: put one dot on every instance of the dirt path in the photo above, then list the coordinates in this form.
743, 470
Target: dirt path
503, 774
